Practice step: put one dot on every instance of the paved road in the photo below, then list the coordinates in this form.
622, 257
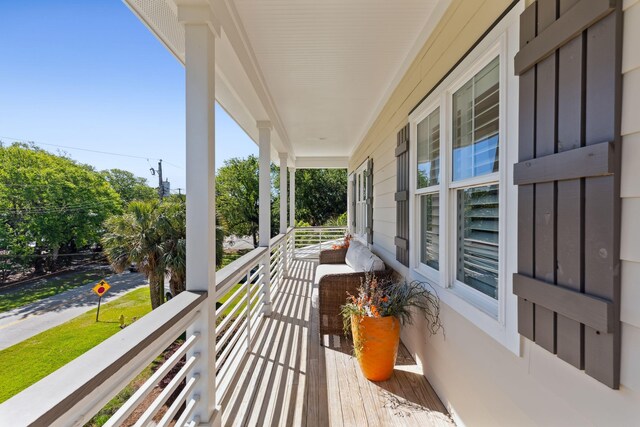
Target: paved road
24, 322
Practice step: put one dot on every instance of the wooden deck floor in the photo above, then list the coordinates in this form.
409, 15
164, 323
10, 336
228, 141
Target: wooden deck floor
290, 380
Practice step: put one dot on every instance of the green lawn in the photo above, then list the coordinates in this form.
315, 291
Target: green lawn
38, 356
43, 288
229, 257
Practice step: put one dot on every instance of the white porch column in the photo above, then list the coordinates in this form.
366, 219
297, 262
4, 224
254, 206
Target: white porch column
292, 197
283, 193
283, 210
264, 222
200, 35
292, 210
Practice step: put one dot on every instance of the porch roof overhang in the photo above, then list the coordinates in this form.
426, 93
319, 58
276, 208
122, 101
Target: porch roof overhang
320, 72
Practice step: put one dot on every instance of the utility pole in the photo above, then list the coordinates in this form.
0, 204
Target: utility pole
160, 183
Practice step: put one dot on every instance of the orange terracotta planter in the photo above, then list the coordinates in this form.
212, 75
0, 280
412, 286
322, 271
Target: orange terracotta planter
376, 342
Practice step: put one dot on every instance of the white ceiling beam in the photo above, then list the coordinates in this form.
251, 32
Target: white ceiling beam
322, 162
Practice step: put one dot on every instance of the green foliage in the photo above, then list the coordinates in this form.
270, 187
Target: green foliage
153, 234
220, 235
128, 186
237, 197
321, 197
381, 298
38, 356
338, 221
321, 194
134, 237
50, 204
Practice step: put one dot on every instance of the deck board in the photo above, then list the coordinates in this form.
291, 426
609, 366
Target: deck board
289, 379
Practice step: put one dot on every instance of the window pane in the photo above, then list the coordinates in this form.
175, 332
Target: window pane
429, 150
430, 230
478, 238
476, 124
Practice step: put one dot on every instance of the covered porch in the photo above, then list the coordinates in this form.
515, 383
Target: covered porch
251, 352
343, 84
266, 370
288, 378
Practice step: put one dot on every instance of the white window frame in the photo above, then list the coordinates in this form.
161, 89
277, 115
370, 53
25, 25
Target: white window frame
498, 318
415, 261
360, 185
484, 302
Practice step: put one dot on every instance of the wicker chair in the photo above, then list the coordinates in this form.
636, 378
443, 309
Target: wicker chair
332, 291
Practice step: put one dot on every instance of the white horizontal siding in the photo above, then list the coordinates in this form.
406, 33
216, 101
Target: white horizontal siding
630, 98
537, 388
629, 312
630, 239
631, 51
630, 170
630, 193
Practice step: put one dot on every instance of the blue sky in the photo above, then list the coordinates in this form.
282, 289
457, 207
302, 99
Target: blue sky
89, 74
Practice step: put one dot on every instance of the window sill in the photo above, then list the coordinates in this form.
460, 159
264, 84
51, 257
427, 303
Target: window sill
431, 275
484, 317
480, 301
482, 314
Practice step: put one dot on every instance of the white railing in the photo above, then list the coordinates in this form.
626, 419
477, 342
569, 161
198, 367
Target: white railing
73, 394
278, 262
309, 241
241, 291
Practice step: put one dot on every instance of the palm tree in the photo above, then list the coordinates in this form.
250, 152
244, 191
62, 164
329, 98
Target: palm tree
172, 223
134, 237
153, 235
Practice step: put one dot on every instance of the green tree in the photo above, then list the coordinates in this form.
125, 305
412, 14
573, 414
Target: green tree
134, 237
172, 225
129, 186
237, 197
321, 195
51, 204
153, 235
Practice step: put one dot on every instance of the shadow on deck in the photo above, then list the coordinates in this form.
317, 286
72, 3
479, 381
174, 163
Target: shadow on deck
288, 379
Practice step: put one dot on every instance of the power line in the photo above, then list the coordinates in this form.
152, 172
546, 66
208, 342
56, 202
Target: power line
86, 149
57, 209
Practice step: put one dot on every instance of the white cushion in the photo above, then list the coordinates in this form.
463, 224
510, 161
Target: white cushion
360, 258
323, 270
352, 253
375, 263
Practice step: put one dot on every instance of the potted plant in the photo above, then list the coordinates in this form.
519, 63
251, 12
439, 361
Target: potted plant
374, 317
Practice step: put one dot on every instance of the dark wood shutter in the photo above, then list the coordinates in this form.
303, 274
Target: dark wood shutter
402, 196
568, 279
369, 189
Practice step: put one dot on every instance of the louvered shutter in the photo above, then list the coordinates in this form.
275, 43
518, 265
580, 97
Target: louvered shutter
402, 196
568, 279
369, 190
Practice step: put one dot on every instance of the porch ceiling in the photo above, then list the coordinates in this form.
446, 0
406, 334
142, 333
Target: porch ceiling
320, 71
328, 64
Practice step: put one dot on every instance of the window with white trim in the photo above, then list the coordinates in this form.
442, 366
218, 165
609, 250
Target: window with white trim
463, 204
457, 181
475, 166
427, 189
360, 177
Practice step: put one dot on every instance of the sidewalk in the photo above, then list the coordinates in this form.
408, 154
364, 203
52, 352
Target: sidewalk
21, 323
